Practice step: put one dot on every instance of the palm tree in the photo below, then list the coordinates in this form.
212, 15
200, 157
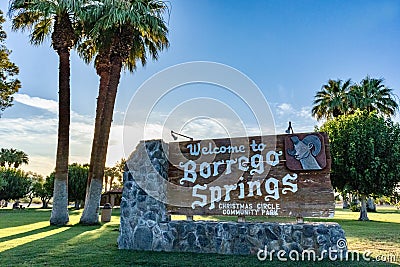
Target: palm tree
121, 33
337, 98
5, 157
53, 18
13, 157
332, 100
371, 94
21, 158
110, 173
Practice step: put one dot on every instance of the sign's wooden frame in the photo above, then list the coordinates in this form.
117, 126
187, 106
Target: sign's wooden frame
282, 186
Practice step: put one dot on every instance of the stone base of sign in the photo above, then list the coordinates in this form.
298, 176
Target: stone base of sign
146, 225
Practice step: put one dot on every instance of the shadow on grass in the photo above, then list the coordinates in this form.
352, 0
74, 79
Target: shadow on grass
40, 249
28, 233
14, 218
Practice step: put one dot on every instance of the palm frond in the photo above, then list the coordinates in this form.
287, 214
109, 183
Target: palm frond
136, 27
40, 18
25, 20
87, 50
41, 30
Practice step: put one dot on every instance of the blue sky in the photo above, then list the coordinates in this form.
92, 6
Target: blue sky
288, 48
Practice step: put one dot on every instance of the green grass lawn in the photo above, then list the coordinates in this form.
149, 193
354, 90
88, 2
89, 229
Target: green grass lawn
26, 239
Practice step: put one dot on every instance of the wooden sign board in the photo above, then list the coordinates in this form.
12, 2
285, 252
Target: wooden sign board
282, 175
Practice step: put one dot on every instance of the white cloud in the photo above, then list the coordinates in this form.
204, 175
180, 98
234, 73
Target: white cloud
36, 136
305, 112
37, 102
285, 108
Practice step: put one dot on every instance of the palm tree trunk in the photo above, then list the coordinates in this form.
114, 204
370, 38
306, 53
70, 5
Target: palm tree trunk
105, 183
111, 183
103, 70
59, 212
93, 196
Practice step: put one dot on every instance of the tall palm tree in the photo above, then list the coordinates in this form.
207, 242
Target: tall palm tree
332, 100
45, 18
121, 33
21, 158
371, 94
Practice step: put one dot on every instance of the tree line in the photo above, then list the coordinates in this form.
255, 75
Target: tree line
16, 184
364, 141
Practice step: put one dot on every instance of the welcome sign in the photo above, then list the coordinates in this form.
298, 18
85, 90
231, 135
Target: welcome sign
282, 175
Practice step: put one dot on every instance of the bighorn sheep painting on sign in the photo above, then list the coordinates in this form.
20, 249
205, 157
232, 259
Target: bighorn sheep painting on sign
306, 151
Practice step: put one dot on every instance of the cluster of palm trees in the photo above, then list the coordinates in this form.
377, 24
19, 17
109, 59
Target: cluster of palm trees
13, 157
115, 35
339, 97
